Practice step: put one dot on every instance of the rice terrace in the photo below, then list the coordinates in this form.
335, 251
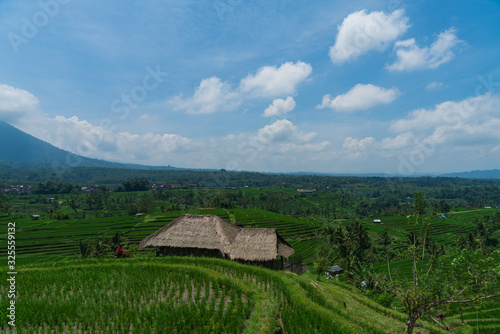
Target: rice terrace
250, 264
230, 166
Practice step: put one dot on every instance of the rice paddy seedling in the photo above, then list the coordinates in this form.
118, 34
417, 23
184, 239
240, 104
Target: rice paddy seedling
165, 295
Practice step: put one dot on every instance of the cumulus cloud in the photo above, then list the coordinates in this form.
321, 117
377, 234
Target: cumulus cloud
353, 144
481, 133
449, 113
356, 148
279, 107
272, 81
411, 57
385, 147
211, 95
400, 141
436, 136
275, 147
94, 141
152, 145
361, 32
15, 102
360, 97
282, 130
264, 149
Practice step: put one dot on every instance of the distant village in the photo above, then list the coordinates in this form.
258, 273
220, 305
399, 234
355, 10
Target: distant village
16, 189
23, 189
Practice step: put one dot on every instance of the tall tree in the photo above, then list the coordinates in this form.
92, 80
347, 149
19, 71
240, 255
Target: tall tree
458, 278
419, 203
463, 276
386, 240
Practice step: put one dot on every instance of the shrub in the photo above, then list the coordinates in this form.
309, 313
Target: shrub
385, 299
59, 215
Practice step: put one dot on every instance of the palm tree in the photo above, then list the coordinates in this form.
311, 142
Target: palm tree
84, 250
117, 240
100, 247
386, 240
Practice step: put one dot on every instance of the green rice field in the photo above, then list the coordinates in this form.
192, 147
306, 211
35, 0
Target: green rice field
188, 295
59, 294
49, 240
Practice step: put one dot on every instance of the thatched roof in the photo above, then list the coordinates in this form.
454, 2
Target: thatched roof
259, 244
194, 231
212, 232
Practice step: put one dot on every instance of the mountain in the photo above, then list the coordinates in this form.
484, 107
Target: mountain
21, 149
477, 174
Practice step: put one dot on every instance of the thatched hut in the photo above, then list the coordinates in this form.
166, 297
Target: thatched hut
209, 235
335, 270
263, 246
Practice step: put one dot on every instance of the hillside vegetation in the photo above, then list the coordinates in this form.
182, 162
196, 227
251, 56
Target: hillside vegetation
445, 245
189, 295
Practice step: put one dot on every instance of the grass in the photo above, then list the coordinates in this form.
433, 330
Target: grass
269, 301
188, 295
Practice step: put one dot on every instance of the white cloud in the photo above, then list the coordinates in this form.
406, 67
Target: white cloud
264, 149
150, 146
361, 32
357, 148
215, 95
271, 81
456, 128
411, 57
449, 113
83, 138
360, 97
210, 96
453, 133
400, 141
434, 86
15, 102
282, 130
353, 144
279, 107
369, 146
275, 147
481, 133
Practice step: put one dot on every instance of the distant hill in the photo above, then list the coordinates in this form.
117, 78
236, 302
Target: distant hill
477, 174
19, 149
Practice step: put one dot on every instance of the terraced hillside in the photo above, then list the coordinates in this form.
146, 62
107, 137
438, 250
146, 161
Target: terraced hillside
481, 317
188, 295
441, 230
52, 239
46, 245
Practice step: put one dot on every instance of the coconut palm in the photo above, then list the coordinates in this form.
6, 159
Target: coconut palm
84, 250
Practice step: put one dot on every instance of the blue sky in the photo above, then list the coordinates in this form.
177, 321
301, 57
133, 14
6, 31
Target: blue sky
394, 87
